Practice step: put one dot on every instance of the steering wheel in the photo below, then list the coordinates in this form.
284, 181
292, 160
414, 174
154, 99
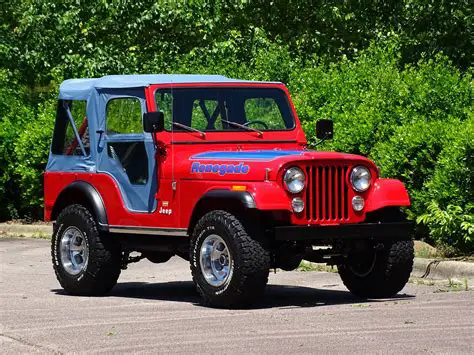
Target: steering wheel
265, 126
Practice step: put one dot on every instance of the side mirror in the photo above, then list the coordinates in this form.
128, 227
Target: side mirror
153, 122
324, 129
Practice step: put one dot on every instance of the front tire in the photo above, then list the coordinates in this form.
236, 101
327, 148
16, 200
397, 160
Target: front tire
229, 267
379, 273
86, 262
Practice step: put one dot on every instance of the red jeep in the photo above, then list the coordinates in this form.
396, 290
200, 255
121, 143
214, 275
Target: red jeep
216, 171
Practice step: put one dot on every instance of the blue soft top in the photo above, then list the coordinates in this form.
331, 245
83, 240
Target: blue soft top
97, 92
80, 89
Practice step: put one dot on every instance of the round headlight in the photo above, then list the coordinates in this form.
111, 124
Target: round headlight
294, 180
298, 204
358, 203
360, 178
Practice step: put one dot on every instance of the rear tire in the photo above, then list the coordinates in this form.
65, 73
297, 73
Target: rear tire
86, 262
229, 267
387, 270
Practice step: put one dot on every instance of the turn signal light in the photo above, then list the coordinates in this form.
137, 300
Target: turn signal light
239, 188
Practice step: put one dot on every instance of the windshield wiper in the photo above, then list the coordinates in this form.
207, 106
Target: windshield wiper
260, 133
191, 129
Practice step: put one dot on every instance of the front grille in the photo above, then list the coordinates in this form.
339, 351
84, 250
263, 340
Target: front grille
327, 193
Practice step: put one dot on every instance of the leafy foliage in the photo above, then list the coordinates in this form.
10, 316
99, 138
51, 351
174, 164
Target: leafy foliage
395, 76
14, 113
448, 208
31, 155
452, 226
124, 115
415, 123
88, 38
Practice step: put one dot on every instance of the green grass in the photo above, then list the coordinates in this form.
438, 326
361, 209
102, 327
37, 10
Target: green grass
455, 285
450, 285
41, 235
424, 282
424, 252
34, 235
309, 266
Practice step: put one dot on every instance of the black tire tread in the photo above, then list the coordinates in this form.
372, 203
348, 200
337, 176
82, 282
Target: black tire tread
391, 272
253, 269
104, 265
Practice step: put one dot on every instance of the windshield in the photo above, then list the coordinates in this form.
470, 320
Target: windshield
225, 109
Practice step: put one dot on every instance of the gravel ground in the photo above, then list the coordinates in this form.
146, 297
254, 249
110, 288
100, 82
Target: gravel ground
155, 309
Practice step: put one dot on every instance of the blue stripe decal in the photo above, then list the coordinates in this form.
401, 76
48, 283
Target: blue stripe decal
258, 155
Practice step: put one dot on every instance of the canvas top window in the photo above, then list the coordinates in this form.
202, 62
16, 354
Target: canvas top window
124, 116
224, 109
125, 139
71, 124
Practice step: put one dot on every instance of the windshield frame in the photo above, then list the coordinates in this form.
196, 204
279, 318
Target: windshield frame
241, 86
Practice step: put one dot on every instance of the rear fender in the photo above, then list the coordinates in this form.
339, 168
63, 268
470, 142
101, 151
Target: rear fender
83, 193
387, 192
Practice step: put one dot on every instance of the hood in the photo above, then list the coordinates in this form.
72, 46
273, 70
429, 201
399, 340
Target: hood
270, 155
252, 165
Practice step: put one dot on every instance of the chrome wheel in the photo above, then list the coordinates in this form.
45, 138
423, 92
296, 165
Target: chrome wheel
74, 251
215, 260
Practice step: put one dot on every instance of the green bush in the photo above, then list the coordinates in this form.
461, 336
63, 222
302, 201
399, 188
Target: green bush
414, 122
361, 96
14, 113
25, 136
453, 179
451, 228
376, 70
448, 209
88, 38
31, 155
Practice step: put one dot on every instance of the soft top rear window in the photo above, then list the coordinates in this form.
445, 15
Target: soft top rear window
71, 124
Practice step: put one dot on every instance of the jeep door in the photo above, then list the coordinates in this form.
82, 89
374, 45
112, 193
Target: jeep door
126, 152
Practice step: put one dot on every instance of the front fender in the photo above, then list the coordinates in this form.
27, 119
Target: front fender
387, 192
269, 195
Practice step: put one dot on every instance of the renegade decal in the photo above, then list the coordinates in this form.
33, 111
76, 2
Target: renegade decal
252, 155
221, 169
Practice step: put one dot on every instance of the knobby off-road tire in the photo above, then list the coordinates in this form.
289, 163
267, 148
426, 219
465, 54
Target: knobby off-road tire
101, 268
248, 267
389, 273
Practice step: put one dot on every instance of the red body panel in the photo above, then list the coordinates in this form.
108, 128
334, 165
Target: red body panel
387, 192
117, 214
263, 180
